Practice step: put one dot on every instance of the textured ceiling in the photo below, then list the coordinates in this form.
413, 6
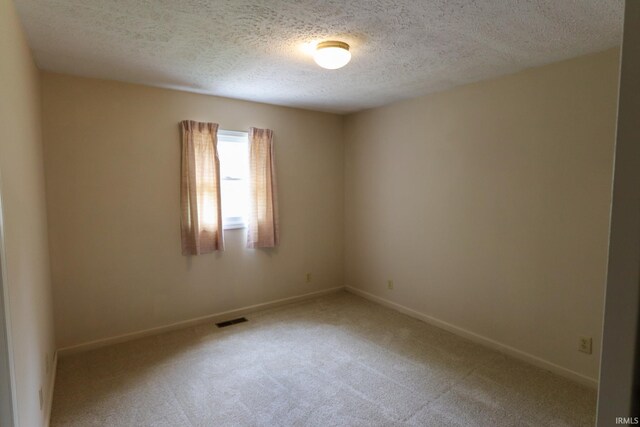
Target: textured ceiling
253, 49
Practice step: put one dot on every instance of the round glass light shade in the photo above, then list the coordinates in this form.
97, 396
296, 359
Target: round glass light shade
332, 55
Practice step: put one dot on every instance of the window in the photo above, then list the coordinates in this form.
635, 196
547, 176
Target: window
233, 150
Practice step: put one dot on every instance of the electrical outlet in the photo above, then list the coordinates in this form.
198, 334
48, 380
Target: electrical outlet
41, 399
47, 363
390, 284
308, 277
585, 345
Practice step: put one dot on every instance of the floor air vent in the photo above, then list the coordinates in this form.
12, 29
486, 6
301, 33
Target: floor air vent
231, 322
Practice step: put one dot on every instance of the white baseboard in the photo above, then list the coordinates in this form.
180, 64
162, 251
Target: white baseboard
472, 336
52, 384
217, 317
487, 342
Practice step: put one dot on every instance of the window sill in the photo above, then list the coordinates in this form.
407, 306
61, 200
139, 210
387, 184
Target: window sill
233, 226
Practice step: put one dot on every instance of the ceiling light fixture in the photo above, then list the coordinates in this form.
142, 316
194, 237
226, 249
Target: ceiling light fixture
332, 54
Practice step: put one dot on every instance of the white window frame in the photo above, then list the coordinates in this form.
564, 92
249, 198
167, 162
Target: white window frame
230, 223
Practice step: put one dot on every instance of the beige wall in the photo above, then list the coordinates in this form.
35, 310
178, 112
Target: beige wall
488, 205
24, 215
112, 162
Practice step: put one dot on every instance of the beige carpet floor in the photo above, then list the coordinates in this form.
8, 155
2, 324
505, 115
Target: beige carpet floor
337, 360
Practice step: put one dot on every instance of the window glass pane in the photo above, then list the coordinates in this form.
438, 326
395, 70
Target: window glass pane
234, 174
234, 159
235, 197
